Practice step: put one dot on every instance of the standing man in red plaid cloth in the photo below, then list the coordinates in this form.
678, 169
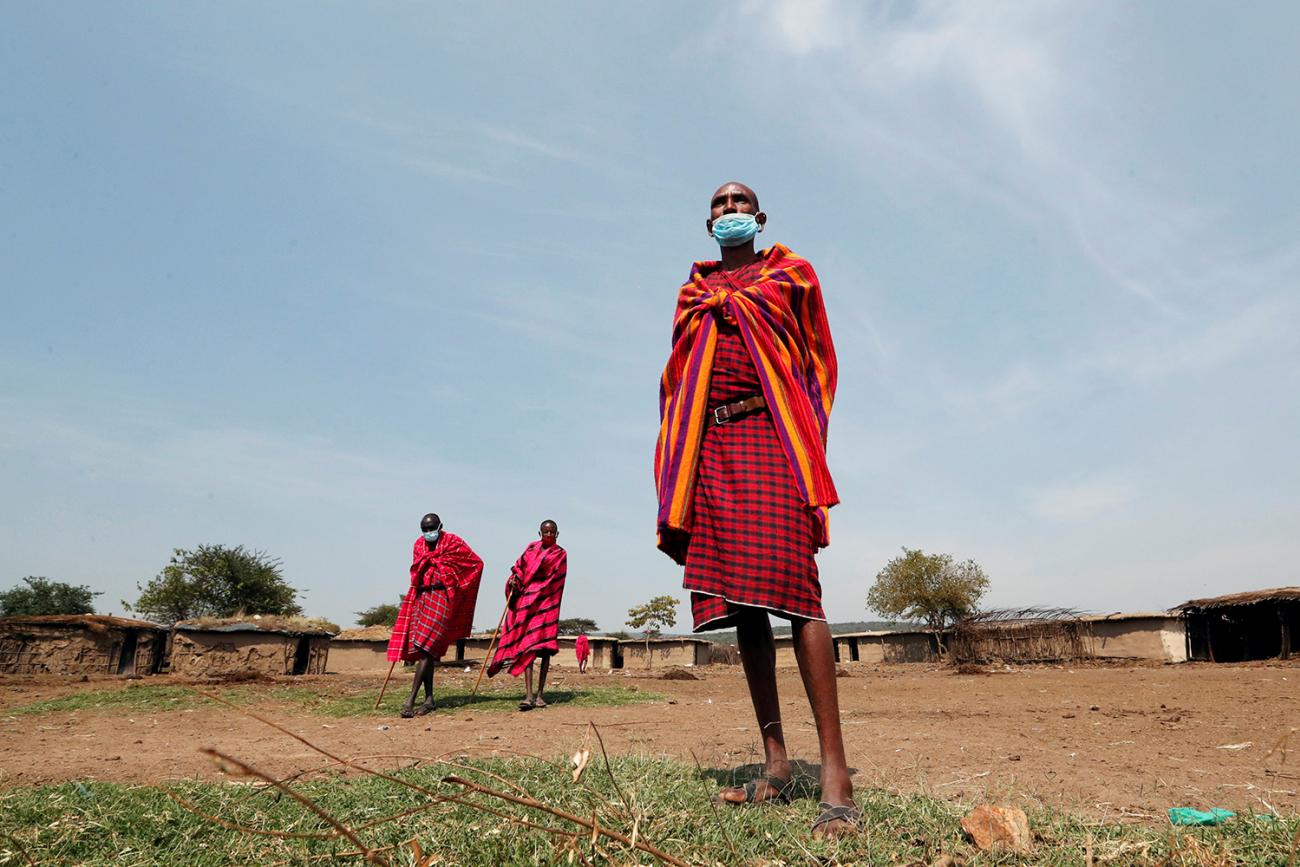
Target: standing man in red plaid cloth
532, 626
742, 479
438, 608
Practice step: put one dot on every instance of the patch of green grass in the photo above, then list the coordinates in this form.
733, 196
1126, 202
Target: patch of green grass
454, 698
147, 698
135, 697
100, 823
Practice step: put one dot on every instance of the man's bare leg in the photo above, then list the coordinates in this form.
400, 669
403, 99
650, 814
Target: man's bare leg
425, 664
430, 665
816, 654
541, 681
758, 655
528, 684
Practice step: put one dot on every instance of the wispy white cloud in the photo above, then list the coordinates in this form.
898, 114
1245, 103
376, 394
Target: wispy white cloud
451, 171
1083, 498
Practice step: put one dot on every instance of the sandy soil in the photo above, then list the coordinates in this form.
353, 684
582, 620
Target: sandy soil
1113, 742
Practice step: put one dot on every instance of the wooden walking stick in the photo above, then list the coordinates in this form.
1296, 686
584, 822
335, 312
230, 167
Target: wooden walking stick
385, 686
487, 658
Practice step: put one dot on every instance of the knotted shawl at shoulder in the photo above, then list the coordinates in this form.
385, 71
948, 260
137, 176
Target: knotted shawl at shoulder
454, 565
780, 315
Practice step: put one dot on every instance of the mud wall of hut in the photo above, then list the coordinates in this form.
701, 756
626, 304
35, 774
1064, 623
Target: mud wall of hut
1161, 639
358, 656
80, 650
665, 652
198, 653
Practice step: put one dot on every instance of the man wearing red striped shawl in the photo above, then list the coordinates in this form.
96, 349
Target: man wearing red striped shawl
532, 624
743, 483
438, 608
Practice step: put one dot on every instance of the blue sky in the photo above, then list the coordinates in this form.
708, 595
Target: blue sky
291, 275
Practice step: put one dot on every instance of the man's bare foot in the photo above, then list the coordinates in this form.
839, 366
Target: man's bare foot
539, 702
769, 788
836, 821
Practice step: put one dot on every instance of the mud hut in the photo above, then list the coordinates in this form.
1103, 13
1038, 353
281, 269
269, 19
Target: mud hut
1028, 636
604, 651
265, 645
1260, 624
1158, 636
360, 650
884, 645
81, 644
683, 651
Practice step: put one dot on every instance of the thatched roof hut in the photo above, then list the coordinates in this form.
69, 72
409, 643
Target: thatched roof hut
1021, 636
80, 644
264, 644
1258, 624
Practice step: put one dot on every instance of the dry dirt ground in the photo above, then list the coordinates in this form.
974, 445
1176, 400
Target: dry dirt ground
1111, 742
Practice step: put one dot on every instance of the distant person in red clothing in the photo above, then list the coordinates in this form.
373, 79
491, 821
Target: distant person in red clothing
582, 647
532, 626
742, 479
438, 608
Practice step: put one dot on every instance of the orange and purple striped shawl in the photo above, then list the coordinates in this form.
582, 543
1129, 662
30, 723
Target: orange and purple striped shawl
783, 323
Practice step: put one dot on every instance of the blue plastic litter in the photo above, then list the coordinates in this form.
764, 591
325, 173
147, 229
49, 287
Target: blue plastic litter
1192, 816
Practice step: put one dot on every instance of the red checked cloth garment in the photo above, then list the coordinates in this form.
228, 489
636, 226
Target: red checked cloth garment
776, 306
753, 539
581, 647
439, 607
532, 623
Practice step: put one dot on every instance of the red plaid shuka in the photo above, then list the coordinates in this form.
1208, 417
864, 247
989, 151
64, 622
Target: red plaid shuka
439, 607
532, 624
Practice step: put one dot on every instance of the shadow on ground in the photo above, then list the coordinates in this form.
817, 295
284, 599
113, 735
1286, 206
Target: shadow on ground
805, 776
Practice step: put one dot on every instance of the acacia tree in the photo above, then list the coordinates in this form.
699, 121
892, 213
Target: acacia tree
930, 588
651, 618
577, 625
216, 581
43, 596
384, 614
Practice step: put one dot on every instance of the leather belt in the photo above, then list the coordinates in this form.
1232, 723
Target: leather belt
731, 411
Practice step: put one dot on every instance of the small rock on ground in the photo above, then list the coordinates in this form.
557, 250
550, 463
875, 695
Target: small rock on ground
990, 826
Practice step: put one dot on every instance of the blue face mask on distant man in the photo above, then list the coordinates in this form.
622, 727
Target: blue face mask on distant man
432, 536
732, 230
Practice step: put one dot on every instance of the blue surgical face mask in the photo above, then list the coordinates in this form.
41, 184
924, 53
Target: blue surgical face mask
732, 230
432, 536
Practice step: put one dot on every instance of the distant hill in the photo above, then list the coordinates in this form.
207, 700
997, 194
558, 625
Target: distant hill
728, 636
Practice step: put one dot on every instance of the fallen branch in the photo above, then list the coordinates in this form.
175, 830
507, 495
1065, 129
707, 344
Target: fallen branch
244, 829
569, 817
249, 770
21, 851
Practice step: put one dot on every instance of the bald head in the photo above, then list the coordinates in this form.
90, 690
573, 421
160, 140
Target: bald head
733, 197
734, 191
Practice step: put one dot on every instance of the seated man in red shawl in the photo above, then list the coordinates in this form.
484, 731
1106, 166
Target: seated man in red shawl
439, 607
532, 624
742, 479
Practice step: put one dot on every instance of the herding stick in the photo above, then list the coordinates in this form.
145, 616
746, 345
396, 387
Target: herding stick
487, 658
385, 686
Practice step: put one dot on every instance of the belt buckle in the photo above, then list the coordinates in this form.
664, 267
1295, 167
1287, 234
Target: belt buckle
722, 419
